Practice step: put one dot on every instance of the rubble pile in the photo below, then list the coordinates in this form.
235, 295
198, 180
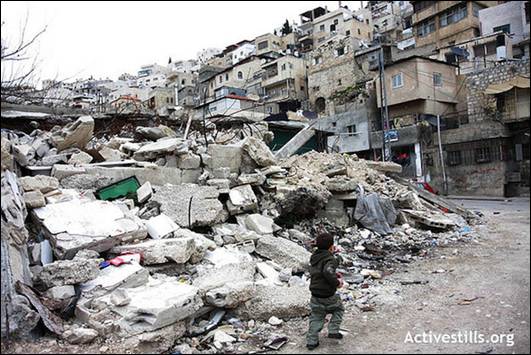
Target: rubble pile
200, 244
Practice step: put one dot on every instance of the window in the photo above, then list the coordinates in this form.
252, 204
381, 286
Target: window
397, 81
240, 75
167, 100
526, 9
283, 66
351, 129
183, 81
340, 51
359, 31
321, 28
483, 155
426, 27
339, 82
316, 60
367, 21
504, 28
453, 15
347, 33
454, 158
437, 79
336, 21
171, 100
263, 45
227, 77
220, 79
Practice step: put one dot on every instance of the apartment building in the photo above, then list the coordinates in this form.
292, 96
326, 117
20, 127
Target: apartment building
417, 89
442, 23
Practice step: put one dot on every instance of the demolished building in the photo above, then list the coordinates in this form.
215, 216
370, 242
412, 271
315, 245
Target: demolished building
153, 239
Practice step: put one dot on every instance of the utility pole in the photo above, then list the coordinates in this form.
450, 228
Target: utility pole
386, 147
445, 180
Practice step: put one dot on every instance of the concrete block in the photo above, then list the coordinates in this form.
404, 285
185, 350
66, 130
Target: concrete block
144, 192
40, 183
283, 252
178, 250
242, 199
34, 199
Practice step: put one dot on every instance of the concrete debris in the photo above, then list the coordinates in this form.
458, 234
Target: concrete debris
40, 183
70, 226
80, 335
283, 252
109, 154
242, 199
260, 224
231, 227
258, 151
155, 133
279, 301
157, 304
80, 158
230, 295
34, 199
178, 250
190, 204
69, 272
61, 292
76, 134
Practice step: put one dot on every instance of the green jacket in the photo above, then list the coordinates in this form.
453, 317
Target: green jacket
324, 280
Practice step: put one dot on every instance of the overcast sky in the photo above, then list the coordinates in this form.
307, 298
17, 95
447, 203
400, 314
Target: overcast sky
106, 39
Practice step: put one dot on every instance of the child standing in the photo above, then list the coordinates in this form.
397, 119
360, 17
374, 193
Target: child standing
323, 286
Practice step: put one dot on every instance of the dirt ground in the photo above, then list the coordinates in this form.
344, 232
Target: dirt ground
492, 273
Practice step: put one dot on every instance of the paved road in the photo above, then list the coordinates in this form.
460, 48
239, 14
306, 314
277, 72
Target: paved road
492, 274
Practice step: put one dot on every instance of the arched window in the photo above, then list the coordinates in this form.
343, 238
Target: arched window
240, 75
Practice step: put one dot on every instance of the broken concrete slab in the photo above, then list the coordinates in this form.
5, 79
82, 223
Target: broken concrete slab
242, 199
23, 154
76, 134
155, 133
190, 204
87, 224
223, 185
109, 154
80, 158
156, 175
159, 303
34, 199
112, 277
159, 251
61, 292
144, 192
161, 147
283, 252
254, 179
279, 301
40, 183
188, 161
258, 151
60, 171
159, 341
342, 183
384, 167
225, 156
83, 182
230, 295
69, 272
260, 224
226, 266
50, 160
79, 335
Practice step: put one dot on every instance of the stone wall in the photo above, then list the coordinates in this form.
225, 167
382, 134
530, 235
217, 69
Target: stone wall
476, 83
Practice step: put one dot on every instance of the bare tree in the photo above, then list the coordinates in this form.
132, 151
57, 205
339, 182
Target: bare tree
19, 64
